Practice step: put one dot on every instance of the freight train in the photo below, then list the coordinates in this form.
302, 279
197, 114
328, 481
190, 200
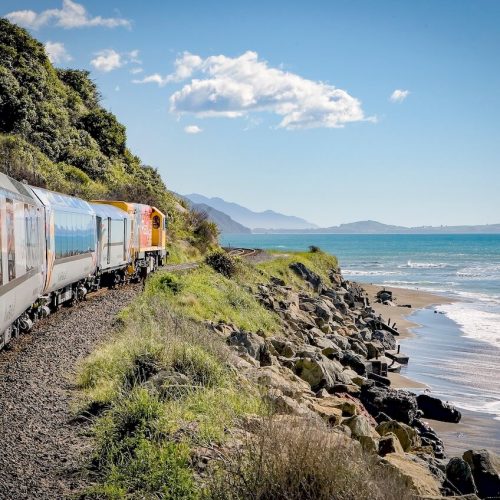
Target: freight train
56, 248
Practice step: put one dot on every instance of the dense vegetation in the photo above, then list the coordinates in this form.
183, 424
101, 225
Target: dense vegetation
55, 134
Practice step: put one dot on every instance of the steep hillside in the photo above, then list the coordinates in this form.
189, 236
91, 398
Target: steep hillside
54, 133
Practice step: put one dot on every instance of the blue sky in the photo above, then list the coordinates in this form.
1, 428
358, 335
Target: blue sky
288, 103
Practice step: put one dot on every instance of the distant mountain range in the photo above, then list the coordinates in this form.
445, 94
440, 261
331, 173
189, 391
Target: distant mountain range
374, 227
225, 223
250, 219
233, 219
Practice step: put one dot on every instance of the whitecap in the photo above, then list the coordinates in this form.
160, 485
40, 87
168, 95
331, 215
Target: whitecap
475, 322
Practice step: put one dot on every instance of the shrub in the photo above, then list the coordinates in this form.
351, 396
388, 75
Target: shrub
300, 459
314, 249
170, 282
221, 262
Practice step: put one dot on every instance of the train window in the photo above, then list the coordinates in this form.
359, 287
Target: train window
11, 242
29, 235
1, 247
124, 240
156, 222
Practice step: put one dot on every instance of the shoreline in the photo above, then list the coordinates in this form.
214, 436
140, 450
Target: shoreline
473, 425
419, 299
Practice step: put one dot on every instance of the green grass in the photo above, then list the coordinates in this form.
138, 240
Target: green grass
204, 294
143, 438
319, 262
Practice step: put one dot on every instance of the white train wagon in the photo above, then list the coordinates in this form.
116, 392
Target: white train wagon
71, 241
22, 256
113, 244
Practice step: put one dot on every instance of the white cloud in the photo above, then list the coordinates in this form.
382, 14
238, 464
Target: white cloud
133, 57
233, 87
193, 129
155, 78
71, 15
56, 52
399, 95
136, 71
107, 60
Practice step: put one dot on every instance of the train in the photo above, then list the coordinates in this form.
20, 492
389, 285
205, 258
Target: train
56, 248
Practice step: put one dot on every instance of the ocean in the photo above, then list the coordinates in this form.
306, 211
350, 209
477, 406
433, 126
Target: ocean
457, 352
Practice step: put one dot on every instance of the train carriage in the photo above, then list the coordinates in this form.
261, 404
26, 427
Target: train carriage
22, 256
71, 242
147, 236
113, 243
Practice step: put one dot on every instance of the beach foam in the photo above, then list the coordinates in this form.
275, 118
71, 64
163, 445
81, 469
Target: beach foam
474, 322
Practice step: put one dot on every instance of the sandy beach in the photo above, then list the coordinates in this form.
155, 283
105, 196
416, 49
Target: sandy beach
476, 429
418, 299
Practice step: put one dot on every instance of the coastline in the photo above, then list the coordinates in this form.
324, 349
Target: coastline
474, 426
418, 299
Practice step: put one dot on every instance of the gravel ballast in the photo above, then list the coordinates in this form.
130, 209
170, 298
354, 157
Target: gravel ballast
42, 448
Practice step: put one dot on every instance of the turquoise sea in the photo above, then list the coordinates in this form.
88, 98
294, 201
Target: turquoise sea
457, 353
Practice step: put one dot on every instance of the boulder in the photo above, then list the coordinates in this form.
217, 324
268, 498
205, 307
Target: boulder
385, 338
360, 426
459, 475
437, 410
307, 275
248, 342
484, 472
331, 414
373, 350
323, 311
354, 361
397, 404
318, 370
339, 340
429, 437
282, 404
408, 437
389, 443
414, 473
279, 378
369, 444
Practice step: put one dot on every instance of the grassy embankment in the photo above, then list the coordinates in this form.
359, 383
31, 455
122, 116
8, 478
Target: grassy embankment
165, 387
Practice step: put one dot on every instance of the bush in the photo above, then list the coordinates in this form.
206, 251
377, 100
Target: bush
222, 263
300, 459
170, 282
314, 249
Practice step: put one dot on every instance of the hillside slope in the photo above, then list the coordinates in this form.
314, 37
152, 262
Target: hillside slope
55, 134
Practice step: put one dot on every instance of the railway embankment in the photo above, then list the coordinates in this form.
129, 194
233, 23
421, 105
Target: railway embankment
261, 380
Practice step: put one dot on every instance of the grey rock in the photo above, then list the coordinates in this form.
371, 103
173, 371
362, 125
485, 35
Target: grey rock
459, 474
485, 475
386, 339
438, 410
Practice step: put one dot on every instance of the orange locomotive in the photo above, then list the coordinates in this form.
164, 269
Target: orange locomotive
147, 236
